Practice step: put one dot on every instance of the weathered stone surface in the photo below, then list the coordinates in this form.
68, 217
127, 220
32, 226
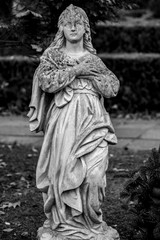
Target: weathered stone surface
48, 234
67, 105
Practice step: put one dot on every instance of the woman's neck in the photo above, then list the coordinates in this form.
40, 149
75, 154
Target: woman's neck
74, 48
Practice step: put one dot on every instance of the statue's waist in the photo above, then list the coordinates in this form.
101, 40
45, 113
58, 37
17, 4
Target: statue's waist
85, 91
65, 96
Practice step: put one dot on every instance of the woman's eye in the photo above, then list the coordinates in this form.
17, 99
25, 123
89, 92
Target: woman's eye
78, 23
68, 25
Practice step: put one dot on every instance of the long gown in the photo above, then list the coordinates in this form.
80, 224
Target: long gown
71, 170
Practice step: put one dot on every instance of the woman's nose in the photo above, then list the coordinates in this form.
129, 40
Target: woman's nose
73, 27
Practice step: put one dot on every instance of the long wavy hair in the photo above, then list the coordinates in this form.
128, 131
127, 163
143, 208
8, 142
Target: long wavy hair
59, 40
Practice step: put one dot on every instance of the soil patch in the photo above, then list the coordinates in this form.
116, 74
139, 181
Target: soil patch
21, 205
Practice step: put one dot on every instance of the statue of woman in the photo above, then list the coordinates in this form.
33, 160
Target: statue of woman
67, 105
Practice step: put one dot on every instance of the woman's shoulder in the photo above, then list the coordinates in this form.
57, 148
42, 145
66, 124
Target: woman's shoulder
97, 60
51, 51
95, 57
53, 55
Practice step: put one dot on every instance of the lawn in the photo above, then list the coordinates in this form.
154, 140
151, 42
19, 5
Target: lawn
21, 206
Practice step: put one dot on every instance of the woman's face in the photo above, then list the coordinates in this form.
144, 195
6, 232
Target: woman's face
74, 30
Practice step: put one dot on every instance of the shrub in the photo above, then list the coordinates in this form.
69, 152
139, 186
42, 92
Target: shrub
139, 79
142, 195
31, 21
123, 38
15, 83
108, 38
154, 5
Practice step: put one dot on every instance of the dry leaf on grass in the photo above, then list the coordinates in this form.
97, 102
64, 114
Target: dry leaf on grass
8, 230
9, 205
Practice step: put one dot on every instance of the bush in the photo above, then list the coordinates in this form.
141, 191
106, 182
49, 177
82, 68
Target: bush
139, 78
142, 189
15, 83
140, 83
154, 5
108, 38
123, 38
31, 21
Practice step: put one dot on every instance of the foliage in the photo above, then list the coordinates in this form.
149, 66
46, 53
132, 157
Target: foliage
35, 22
15, 83
154, 5
139, 82
129, 4
119, 38
137, 73
142, 193
6, 10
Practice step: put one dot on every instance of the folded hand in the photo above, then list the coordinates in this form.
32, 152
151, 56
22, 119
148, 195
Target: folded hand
86, 68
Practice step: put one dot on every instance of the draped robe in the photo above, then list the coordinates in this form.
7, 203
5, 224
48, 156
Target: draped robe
71, 170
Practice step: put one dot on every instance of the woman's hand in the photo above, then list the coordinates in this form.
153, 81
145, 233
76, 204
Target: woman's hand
80, 68
85, 68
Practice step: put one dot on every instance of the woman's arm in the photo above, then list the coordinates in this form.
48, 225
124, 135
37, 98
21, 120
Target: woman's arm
107, 84
104, 81
51, 77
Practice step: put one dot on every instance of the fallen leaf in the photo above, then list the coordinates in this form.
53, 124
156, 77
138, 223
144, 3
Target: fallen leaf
24, 234
18, 173
5, 205
9, 175
34, 149
145, 160
26, 181
16, 204
13, 184
17, 223
9, 146
2, 213
9, 205
7, 223
2, 164
8, 230
17, 194
29, 155
22, 178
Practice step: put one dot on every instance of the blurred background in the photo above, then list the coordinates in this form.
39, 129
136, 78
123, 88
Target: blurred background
126, 35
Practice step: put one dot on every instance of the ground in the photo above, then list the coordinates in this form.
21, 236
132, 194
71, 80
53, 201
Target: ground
21, 206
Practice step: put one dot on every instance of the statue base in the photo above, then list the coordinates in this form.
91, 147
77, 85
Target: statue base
49, 234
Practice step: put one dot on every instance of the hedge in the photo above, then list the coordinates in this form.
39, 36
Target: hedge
119, 37
16, 75
111, 37
139, 76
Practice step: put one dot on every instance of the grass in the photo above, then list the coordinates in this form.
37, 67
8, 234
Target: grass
21, 206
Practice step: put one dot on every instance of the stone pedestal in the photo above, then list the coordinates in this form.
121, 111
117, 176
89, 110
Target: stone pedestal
49, 234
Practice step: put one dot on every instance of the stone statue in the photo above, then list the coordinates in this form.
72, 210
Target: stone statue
67, 105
